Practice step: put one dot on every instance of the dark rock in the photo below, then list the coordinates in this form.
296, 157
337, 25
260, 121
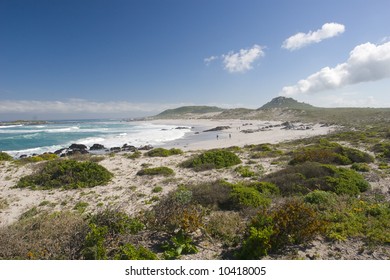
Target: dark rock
115, 149
60, 151
181, 127
196, 133
96, 147
78, 147
127, 147
23, 156
218, 128
145, 148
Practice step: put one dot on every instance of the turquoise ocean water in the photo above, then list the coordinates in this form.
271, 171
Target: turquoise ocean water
37, 139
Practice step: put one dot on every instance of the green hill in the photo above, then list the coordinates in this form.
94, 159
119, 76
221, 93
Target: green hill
282, 102
187, 110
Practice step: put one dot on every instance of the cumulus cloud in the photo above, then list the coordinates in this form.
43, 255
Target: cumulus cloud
366, 62
242, 61
76, 106
300, 40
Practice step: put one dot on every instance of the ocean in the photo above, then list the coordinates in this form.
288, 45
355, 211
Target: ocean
19, 140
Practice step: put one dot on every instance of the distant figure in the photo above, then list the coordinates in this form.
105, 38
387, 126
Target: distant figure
230, 136
217, 136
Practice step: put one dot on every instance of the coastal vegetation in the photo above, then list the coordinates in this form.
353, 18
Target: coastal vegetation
213, 159
66, 174
323, 197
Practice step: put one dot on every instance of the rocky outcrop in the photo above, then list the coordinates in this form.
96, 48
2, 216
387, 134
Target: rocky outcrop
218, 128
97, 147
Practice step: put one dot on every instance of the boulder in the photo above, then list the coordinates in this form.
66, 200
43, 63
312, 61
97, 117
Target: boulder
127, 147
145, 148
96, 147
77, 147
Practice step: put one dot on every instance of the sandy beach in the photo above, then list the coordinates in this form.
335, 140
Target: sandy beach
134, 194
127, 186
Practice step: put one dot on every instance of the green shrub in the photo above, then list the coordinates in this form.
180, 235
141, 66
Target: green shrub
162, 170
382, 149
68, 174
362, 167
81, 206
330, 153
306, 177
161, 152
107, 229
212, 159
5, 157
321, 199
136, 154
245, 171
180, 243
245, 196
157, 189
39, 158
131, 252
290, 223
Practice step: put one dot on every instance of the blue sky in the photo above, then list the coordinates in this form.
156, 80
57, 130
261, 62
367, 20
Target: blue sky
124, 58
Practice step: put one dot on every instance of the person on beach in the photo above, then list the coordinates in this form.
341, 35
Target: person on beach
217, 136
230, 136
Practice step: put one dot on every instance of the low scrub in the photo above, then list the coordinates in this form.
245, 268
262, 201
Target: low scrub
161, 152
213, 159
330, 153
5, 157
290, 223
304, 178
68, 174
162, 170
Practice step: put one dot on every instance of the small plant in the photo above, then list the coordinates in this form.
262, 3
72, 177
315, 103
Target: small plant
81, 206
162, 170
179, 244
213, 159
5, 157
362, 167
226, 226
245, 171
136, 154
131, 252
157, 189
161, 152
68, 174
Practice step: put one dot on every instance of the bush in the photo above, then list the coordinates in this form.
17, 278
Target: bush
107, 229
321, 199
304, 178
162, 170
68, 174
245, 196
131, 252
245, 171
362, 167
382, 150
291, 223
212, 159
161, 152
177, 212
330, 153
46, 236
227, 226
5, 157
215, 195
39, 158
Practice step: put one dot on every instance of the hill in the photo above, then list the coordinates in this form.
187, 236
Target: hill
282, 102
188, 111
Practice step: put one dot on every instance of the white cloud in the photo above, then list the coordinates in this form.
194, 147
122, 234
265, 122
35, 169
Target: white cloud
238, 62
210, 59
242, 61
367, 62
299, 40
79, 106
